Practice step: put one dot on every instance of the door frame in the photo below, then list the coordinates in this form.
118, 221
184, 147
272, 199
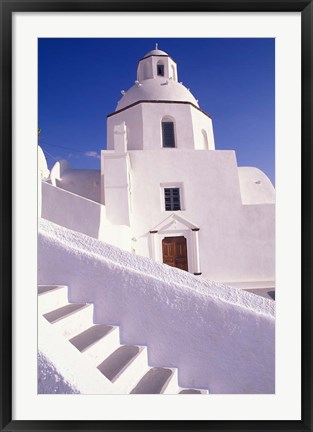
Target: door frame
174, 236
177, 226
181, 233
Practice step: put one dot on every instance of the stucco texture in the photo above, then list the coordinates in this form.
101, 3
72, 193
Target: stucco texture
219, 337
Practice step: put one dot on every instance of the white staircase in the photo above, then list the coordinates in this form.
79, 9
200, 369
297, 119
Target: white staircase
95, 349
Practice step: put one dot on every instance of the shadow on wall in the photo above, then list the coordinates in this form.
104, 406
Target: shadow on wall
85, 183
219, 338
72, 211
271, 294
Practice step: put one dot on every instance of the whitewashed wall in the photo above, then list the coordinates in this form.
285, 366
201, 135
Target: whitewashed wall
80, 214
219, 337
255, 186
83, 182
144, 132
237, 242
43, 173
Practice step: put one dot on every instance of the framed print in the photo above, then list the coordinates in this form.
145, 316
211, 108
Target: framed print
155, 257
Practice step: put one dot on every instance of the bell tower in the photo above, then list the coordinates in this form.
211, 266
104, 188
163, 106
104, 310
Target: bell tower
159, 112
156, 64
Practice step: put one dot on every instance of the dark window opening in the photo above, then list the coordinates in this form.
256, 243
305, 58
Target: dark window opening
160, 70
168, 134
172, 199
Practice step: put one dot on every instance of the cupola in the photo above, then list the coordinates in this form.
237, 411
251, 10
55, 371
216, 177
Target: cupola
157, 80
157, 64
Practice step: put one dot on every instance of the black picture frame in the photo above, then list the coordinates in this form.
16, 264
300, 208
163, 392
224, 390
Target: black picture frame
7, 9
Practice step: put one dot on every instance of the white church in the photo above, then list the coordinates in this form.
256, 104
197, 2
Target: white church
139, 263
165, 192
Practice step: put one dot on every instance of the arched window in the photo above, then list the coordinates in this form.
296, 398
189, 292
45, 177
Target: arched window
160, 68
168, 132
205, 143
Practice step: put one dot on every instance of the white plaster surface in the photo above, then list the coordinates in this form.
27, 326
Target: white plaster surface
159, 88
234, 208
83, 182
255, 186
221, 338
83, 215
143, 125
42, 164
58, 170
50, 380
43, 173
155, 52
236, 241
147, 67
71, 369
151, 86
115, 174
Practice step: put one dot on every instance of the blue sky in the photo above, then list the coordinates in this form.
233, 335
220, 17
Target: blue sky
80, 82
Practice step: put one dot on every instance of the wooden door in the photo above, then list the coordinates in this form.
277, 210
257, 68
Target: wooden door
175, 252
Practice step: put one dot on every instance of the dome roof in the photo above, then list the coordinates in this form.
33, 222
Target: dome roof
156, 52
156, 89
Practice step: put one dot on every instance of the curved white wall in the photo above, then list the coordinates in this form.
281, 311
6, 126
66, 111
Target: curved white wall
219, 337
42, 164
147, 68
202, 123
237, 242
143, 123
43, 173
57, 170
255, 186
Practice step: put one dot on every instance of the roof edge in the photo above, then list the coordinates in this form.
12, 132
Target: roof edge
157, 55
158, 101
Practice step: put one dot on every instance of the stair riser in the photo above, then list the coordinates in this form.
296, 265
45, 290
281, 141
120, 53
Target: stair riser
81, 367
49, 287
75, 323
67, 360
128, 379
172, 386
103, 347
52, 300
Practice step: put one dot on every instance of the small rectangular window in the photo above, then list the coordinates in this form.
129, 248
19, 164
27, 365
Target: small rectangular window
160, 70
172, 199
168, 134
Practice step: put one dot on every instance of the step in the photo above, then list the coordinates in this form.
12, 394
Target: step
125, 366
68, 361
172, 386
90, 336
154, 381
117, 362
51, 297
134, 371
72, 319
45, 288
103, 347
191, 391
